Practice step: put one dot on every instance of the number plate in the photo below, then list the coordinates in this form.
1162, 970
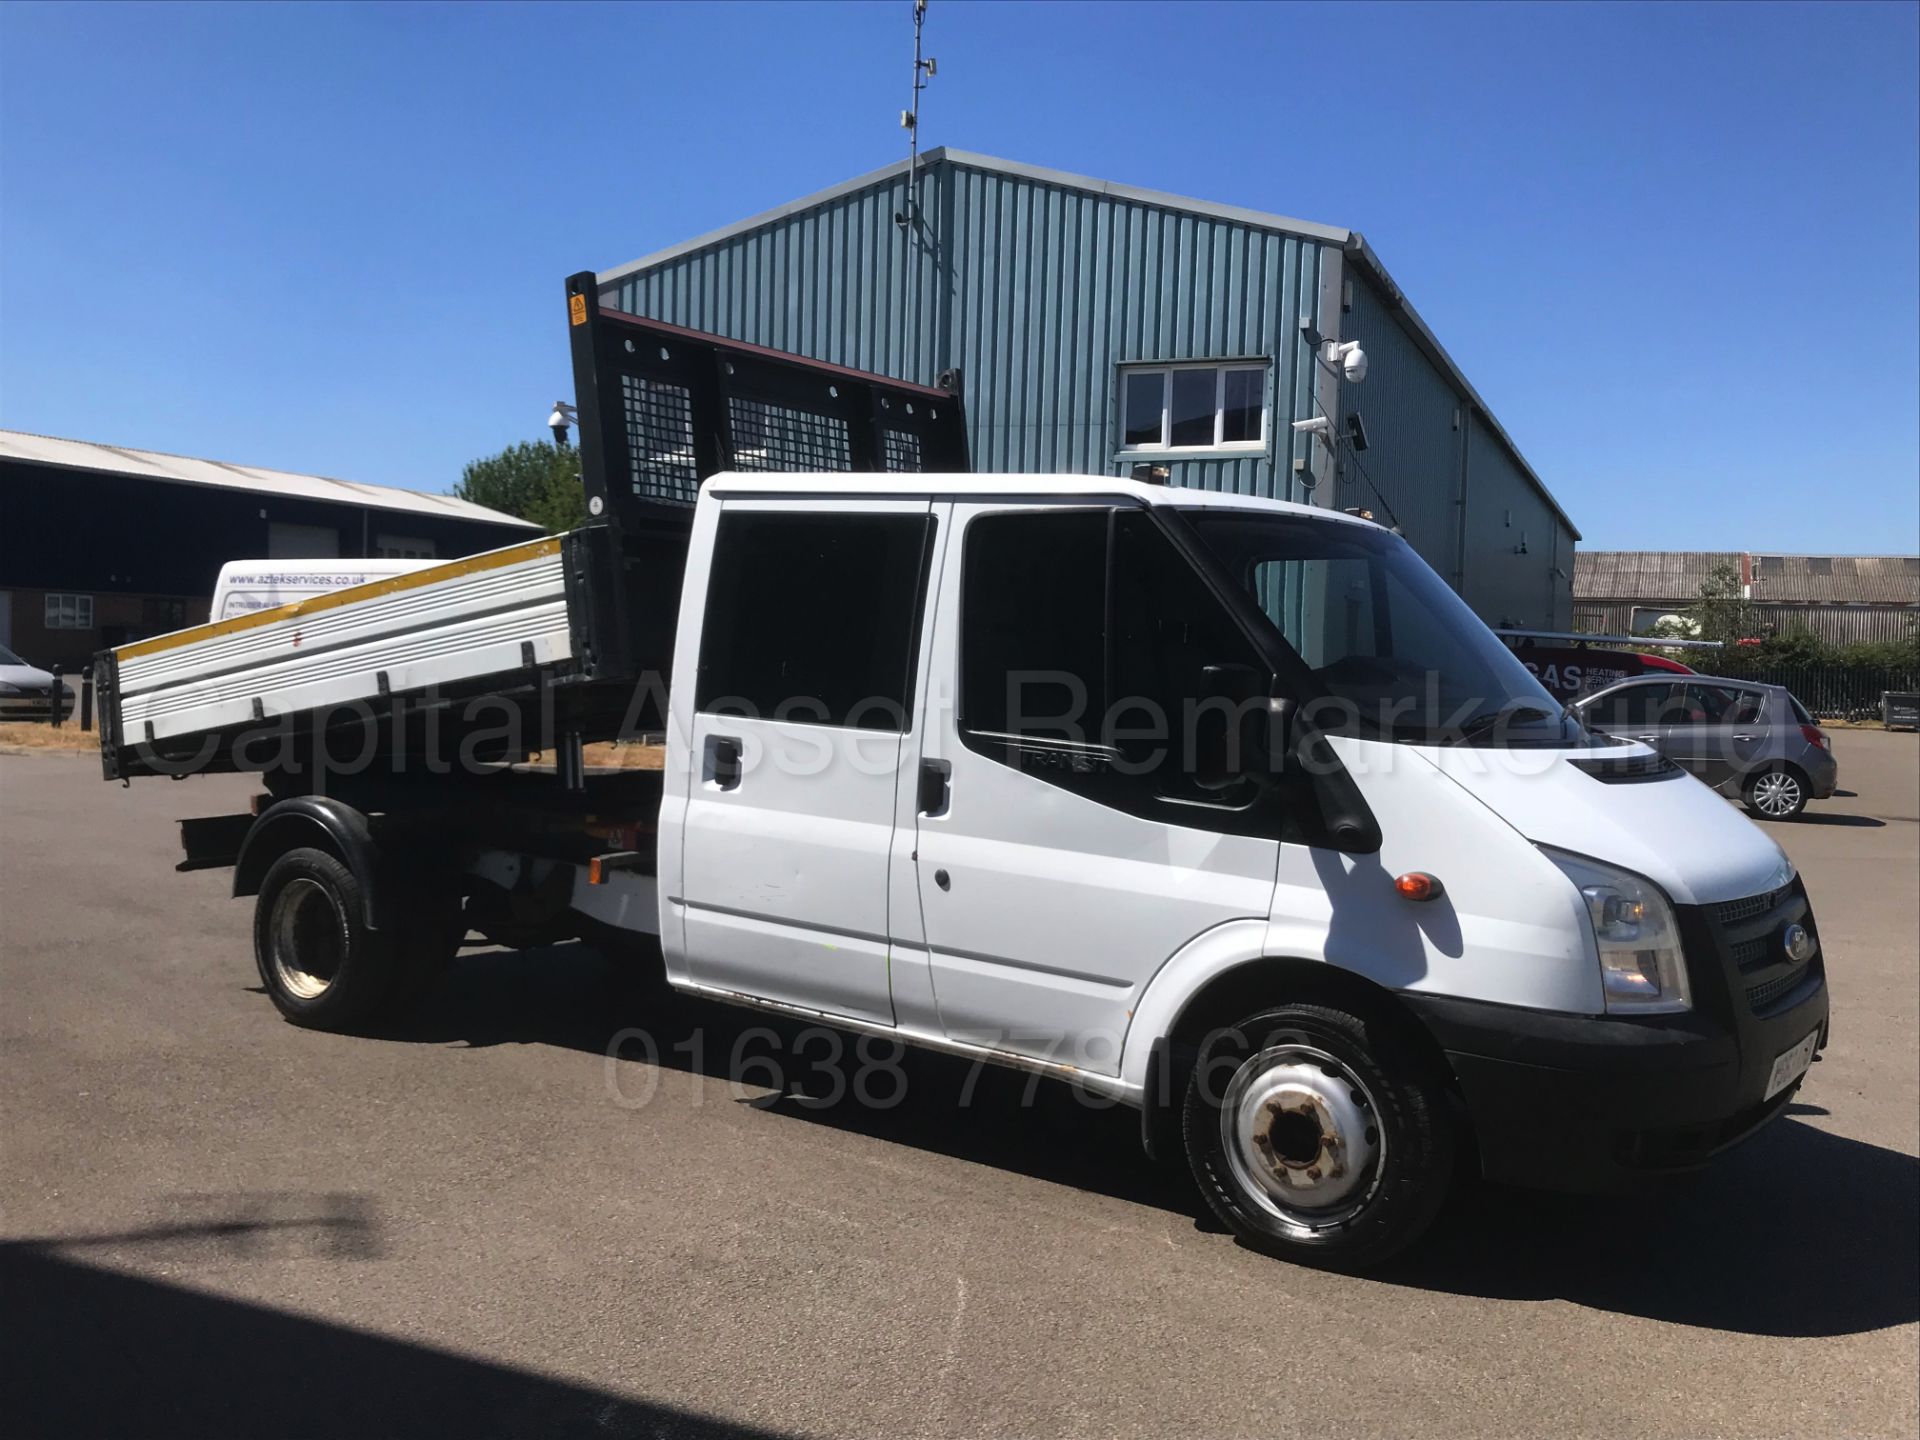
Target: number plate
1790, 1065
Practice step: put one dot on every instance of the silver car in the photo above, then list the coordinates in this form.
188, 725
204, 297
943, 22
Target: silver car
26, 691
1751, 742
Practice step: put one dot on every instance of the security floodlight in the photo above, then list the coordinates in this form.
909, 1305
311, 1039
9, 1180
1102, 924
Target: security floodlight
1356, 431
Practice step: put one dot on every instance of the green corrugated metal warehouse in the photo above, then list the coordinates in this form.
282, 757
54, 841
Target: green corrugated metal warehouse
1098, 327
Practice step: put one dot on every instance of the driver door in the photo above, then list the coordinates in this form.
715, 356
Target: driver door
1063, 849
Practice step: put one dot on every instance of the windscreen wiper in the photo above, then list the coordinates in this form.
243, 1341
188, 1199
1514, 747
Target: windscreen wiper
1481, 724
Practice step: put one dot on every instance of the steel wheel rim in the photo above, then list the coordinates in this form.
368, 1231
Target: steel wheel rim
1302, 1136
306, 939
1776, 794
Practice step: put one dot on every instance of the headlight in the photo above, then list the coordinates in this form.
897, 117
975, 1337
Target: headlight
6, 689
1642, 971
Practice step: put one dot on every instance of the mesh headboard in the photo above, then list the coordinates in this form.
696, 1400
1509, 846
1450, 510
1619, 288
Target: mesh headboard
661, 408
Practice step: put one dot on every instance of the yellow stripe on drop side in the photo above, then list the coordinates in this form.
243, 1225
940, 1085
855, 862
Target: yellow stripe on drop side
334, 599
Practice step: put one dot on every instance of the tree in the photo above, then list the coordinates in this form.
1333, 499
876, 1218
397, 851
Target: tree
1798, 646
536, 482
1722, 611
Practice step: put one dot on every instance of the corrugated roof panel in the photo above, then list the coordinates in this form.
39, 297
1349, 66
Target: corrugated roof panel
1669, 575
1858, 579
1646, 575
154, 465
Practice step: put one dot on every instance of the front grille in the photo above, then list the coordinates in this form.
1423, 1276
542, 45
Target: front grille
1732, 912
1750, 932
1761, 996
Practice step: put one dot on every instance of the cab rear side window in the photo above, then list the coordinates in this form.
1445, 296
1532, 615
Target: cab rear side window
813, 617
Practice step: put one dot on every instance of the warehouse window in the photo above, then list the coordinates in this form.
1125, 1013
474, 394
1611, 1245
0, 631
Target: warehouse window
1193, 407
402, 547
69, 612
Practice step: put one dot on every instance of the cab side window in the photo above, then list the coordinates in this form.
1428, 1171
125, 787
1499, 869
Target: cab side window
813, 617
1180, 663
1033, 652
1087, 641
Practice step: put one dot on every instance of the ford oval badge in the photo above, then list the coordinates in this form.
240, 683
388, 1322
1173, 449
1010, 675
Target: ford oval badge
1798, 941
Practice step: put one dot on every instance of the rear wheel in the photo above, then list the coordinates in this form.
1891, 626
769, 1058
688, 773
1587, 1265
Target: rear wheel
1779, 794
323, 966
1319, 1135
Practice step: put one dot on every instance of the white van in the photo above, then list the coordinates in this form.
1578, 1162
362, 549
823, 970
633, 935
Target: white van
1222, 808
245, 586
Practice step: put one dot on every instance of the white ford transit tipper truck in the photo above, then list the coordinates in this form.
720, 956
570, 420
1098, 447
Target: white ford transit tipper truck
1226, 809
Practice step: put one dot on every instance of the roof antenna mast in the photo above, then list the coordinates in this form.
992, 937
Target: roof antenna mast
908, 219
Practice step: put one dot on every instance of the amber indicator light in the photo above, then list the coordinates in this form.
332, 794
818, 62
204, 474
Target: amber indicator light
1417, 885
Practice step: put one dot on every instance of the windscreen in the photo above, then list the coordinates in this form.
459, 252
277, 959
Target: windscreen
1384, 647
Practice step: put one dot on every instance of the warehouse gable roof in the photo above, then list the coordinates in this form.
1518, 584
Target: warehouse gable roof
1645, 574
1354, 244
1783, 579
61, 454
1842, 579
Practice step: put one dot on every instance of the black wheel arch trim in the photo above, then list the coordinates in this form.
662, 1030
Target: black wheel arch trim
325, 823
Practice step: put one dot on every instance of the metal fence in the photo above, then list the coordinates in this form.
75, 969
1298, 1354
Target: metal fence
1831, 692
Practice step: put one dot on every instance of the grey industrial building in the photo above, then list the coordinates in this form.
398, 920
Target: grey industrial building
101, 545
1841, 599
1098, 328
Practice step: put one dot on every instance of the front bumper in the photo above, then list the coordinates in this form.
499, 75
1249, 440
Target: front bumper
32, 705
1600, 1104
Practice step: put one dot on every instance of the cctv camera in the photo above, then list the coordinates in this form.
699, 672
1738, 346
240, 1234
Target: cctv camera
1351, 359
1318, 425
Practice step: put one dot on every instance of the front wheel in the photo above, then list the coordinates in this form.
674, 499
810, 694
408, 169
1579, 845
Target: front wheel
1776, 794
1319, 1135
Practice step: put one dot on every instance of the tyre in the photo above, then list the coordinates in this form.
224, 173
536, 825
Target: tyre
1319, 1135
322, 966
1776, 794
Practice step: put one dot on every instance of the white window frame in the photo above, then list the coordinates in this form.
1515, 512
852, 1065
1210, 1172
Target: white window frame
60, 604
1166, 369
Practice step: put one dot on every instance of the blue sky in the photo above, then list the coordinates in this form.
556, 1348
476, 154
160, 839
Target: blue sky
1674, 246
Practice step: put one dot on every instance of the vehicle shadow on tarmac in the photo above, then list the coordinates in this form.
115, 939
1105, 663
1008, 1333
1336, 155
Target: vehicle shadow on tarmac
1797, 1233
569, 995
95, 1352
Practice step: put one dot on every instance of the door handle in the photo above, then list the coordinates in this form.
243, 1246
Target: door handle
1648, 739
1739, 736
722, 762
934, 790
